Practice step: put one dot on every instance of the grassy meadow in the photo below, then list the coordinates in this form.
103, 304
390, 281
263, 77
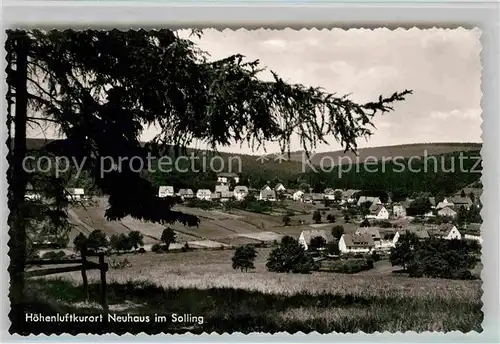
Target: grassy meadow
203, 283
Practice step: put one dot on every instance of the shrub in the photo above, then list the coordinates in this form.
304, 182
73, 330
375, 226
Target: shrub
80, 243
286, 220
375, 256
317, 242
186, 248
96, 240
53, 255
330, 218
244, 258
136, 239
316, 216
141, 250
337, 232
156, 247
168, 236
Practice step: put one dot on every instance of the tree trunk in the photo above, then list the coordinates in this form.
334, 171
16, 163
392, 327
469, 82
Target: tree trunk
17, 184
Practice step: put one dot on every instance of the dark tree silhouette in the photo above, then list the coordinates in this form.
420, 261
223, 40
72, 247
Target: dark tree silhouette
168, 237
244, 258
101, 88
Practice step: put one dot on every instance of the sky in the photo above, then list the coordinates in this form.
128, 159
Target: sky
441, 66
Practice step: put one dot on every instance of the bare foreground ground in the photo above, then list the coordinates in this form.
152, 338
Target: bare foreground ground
204, 283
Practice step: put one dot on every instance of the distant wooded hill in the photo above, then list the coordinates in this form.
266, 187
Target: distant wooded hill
255, 172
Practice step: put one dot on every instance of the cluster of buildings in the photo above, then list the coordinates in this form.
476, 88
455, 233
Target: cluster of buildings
369, 239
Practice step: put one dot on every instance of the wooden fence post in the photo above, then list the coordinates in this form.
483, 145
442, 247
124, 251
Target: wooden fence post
103, 267
84, 275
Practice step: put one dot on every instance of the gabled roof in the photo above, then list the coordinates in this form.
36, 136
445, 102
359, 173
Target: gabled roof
364, 199
317, 196
444, 229
374, 232
203, 192
309, 234
358, 240
447, 210
265, 193
421, 233
278, 186
265, 187
374, 210
442, 205
226, 194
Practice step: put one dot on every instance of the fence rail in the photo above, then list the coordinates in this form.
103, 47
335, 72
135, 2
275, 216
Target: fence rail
83, 266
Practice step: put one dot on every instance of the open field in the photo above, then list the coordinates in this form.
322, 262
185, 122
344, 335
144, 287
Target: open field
203, 283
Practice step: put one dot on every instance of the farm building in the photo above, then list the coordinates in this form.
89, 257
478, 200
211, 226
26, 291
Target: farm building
378, 212
348, 195
240, 192
75, 193
214, 196
317, 197
306, 236
267, 195
204, 194
447, 211
379, 241
224, 178
166, 191
355, 243
398, 211
298, 195
373, 200
447, 231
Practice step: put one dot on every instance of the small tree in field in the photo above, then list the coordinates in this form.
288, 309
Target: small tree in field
337, 232
96, 240
330, 218
168, 237
80, 243
290, 256
317, 216
114, 243
136, 239
365, 223
317, 242
286, 220
244, 257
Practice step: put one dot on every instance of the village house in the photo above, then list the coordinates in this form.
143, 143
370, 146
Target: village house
214, 196
186, 193
398, 211
444, 204
354, 243
298, 195
459, 202
421, 234
166, 191
447, 231
372, 200
267, 194
221, 187
476, 193
225, 196
224, 178
447, 211
329, 194
204, 194
279, 188
348, 195
240, 192
306, 236
317, 197
378, 212
379, 242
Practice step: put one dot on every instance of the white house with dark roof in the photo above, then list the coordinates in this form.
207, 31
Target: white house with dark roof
267, 194
356, 243
421, 234
240, 192
444, 204
398, 211
447, 231
378, 212
225, 196
279, 187
306, 236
